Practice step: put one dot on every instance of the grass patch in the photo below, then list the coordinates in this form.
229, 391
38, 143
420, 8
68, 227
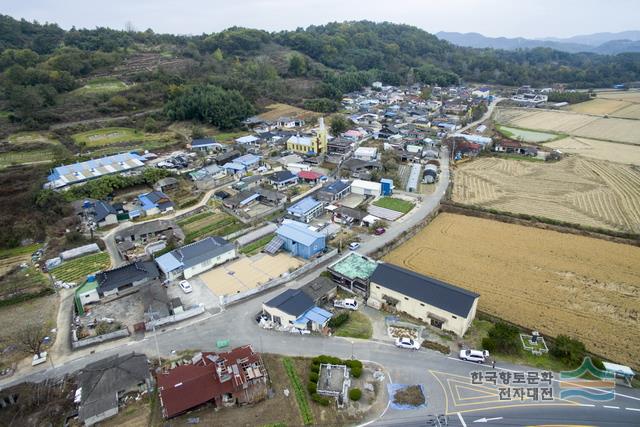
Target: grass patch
78, 269
516, 157
118, 135
5, 114
101, 85
219, 225
394, 204
298, 390
358, 326
194, 218
255, 247
19, 251
11, 158
26, 138
228, 136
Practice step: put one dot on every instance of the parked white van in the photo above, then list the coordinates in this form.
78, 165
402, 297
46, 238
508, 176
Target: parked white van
348, 303
479, 356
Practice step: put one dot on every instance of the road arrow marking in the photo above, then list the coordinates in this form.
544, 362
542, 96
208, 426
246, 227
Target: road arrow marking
486, 420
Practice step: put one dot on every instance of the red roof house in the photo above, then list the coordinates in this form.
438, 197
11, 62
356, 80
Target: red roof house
222, 379
309, 175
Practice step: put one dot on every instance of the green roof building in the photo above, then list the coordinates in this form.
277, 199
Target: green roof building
353, 272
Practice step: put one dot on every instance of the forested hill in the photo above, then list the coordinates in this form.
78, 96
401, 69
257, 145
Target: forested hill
39, 63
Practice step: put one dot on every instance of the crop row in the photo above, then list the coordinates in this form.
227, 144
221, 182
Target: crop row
301, 396
77, 269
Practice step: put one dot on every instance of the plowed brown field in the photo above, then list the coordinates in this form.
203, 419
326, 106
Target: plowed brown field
553, 282
576, 190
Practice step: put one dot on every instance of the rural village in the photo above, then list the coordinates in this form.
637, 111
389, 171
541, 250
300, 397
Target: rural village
328, 268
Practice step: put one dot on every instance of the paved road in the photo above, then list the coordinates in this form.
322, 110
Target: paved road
486, 115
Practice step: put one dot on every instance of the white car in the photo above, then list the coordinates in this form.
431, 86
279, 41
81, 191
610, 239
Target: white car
478, 356
407, 343
353, 246
348, 303
185, 286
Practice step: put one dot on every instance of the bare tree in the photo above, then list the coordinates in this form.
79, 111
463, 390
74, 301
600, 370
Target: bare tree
30, 337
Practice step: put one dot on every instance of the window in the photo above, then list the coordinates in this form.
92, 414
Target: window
407, 299
377, 287
421, 304
455, 317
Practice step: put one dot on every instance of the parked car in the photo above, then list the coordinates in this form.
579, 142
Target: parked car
353, 246
186, 287
407, 343
348, 303
478, 356
378, 231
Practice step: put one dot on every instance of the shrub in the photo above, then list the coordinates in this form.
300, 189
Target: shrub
312, 388
355, 366
315, 368
355, 394
322, 400
444, 349
503, 338
569, 350
313, 377
338, 320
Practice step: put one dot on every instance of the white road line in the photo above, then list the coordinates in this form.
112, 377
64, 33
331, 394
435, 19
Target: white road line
462, 420
610, 407
633, 409
586, 404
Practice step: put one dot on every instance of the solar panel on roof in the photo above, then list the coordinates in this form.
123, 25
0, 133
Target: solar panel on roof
274, 245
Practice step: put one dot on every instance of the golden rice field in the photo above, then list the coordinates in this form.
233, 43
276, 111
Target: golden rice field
545, 280
576, 190
566, 122
597, 149
610, 107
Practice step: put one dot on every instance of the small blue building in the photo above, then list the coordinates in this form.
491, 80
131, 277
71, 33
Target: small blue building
387, 186
299, 240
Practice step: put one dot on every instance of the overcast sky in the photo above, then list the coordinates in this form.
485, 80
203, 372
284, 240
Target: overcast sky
510, 18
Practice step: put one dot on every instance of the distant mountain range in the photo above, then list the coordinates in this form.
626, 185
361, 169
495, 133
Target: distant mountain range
602, 43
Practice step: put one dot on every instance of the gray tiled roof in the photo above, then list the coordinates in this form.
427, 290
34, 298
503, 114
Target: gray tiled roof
426, 289
292, 301
202, 250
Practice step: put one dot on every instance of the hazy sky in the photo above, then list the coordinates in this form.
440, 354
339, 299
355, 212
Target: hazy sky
526, 18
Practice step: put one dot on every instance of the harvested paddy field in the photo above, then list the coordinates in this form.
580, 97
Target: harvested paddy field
599, 150
626, 109
575, 190
574, 124
554, 282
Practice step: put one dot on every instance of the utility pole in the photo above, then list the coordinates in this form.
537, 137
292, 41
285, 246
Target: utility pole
151, 315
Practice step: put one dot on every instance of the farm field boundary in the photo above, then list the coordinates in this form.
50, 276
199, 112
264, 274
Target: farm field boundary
540, 222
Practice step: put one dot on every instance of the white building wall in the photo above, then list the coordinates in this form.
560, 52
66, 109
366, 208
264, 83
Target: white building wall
285, 319
420, 310
209, 264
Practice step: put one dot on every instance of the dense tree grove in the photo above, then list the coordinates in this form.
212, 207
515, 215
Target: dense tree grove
570, 97
223, 108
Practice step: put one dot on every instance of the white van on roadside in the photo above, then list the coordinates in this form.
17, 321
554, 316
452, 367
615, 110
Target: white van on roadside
478, 356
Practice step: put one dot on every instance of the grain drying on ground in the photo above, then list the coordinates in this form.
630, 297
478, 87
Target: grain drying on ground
569, 123
545, 280
599, 150
630, 96
576, 190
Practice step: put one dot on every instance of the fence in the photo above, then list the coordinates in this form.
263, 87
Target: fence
76, 343
187, 314
230, 299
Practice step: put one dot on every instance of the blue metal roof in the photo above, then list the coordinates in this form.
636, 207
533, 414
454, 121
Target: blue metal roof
234, 166
303, 206
298, 232
93, 164
205, 142
336, 187
316, 315
247, 159
168, 262
249, 199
